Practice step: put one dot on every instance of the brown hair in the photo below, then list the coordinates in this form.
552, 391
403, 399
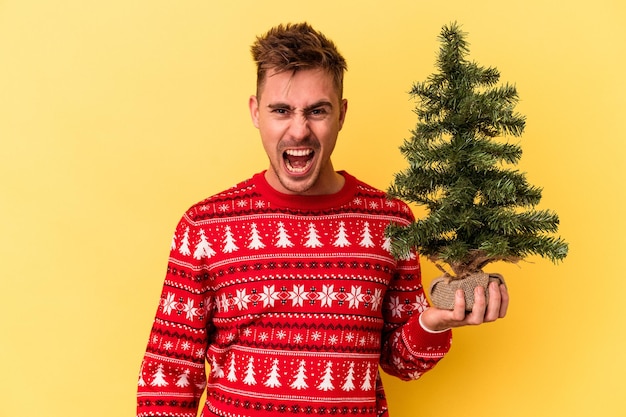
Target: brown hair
297, 46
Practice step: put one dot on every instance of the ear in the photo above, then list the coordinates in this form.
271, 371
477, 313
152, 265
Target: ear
342, 112
253, 105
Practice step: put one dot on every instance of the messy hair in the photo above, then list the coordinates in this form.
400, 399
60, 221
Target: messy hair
297, 46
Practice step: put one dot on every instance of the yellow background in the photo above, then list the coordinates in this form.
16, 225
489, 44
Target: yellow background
117, 115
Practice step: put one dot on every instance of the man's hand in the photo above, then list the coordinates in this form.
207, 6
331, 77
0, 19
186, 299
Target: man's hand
436, 319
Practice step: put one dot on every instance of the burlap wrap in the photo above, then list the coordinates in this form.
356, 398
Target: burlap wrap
443, 288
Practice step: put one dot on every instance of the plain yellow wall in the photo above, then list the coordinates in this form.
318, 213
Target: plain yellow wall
116, 116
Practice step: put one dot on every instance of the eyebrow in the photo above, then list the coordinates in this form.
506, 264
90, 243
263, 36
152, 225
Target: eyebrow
321, 103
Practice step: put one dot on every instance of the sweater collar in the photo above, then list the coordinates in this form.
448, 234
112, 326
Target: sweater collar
306, 202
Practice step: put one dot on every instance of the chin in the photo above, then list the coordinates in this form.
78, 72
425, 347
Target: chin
298, 185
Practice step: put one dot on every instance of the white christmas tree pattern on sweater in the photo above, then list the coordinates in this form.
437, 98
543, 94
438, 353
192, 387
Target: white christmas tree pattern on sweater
229, 241
255, 238
203, 248
313, 239
273, 376
184, 244
326, 378
367, 381
326, 384
348, 384
366, 237
272, 380
159, 377
283, 238
232, 369
341, 240
183, 379
250, 374
300, 378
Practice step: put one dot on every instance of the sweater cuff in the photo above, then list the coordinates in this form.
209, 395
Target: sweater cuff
424, 342
427, 329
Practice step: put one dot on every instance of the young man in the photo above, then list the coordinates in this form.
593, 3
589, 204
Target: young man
285, 283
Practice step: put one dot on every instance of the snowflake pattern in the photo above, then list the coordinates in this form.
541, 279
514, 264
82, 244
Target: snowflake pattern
299, 295
396, 307
190, 311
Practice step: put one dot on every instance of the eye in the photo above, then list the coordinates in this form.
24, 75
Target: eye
318, 112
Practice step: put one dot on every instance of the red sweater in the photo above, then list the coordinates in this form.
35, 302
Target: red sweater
294, 302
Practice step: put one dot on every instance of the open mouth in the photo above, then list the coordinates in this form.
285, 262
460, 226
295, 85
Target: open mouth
298, 161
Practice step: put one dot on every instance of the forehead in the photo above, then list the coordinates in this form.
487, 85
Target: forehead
301, 85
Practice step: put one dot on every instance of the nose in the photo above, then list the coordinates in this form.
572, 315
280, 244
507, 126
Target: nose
299, 127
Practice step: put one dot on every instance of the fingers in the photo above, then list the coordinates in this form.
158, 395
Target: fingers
504, 304
484, 310
477, 315
458, 314
498, 302
495, 302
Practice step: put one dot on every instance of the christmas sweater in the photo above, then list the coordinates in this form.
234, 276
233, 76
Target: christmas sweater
295, 302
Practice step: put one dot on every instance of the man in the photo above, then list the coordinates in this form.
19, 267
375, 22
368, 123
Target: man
285, 283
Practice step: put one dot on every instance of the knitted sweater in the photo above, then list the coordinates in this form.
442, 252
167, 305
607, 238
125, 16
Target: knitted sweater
293, 301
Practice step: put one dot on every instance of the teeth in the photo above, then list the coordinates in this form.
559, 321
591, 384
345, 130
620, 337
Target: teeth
299, 152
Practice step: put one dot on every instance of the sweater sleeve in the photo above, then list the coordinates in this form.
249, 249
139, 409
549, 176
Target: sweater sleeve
408, 350
172, 376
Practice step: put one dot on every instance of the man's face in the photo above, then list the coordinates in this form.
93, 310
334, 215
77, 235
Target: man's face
299, 115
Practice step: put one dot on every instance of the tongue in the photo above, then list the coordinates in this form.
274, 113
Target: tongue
298, 161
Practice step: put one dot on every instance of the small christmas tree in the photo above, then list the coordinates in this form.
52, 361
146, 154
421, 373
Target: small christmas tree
480, 210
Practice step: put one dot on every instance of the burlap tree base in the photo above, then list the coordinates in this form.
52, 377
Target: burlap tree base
442, 289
